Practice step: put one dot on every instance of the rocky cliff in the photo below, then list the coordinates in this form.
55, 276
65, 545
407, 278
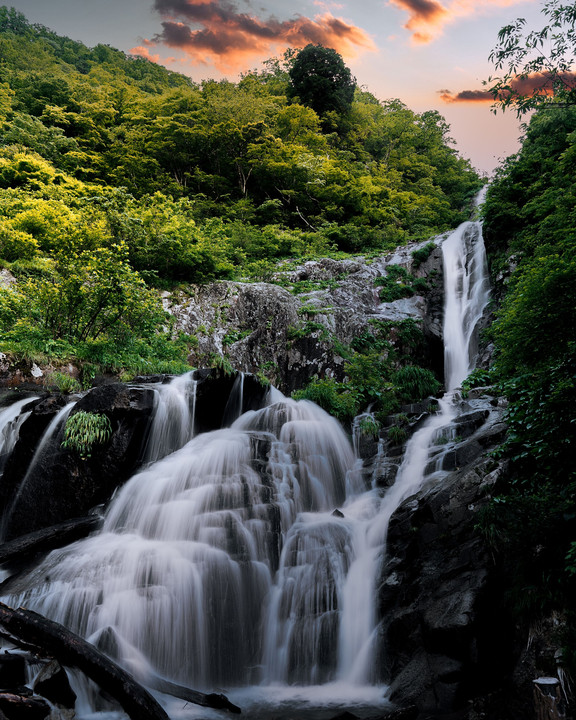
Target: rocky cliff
289, 330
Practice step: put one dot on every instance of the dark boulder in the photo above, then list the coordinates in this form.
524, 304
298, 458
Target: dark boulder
446, 638
18, 707
52, 683
60, 485
12, 671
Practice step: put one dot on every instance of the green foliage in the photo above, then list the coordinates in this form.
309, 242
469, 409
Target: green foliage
306, 329
321, 80
369, 425
531, 238
379, 373
234, 336
119, 178
86, 430
414, 383
399, 283
334, 397
422, 254
545, 56
478, 378
397, 434
63, 382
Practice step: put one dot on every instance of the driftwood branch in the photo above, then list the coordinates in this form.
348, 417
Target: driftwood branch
73, 651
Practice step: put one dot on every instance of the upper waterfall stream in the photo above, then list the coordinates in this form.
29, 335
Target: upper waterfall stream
221, 564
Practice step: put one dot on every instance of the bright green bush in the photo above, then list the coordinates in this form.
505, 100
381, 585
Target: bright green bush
86, 430
414, 383
336, 398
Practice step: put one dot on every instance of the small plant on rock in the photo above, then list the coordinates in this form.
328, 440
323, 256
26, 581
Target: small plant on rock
369, 426
397, 435
85, 430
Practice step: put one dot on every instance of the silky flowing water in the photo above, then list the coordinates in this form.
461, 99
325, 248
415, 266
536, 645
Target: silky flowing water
222, 565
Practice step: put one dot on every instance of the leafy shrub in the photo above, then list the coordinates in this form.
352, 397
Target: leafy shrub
84, 431
397, 434
16, 244
398, 283
62, 382
369, 425
334, 397
415, 383
423, 254
478, 378
234, 336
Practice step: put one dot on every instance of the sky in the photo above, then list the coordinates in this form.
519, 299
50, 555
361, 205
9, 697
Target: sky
431, 54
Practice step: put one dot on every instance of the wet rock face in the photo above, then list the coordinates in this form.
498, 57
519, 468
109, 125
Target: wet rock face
263, 327
445, 637
61, 485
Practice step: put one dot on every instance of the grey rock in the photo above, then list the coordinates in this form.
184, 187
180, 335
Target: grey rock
263, 328
444, 633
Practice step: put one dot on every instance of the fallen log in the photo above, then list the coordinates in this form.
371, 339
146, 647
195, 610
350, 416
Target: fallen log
212, 700
73, 651
25, 707
41, 541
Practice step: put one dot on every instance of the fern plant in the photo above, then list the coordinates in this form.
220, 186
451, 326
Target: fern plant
85, 430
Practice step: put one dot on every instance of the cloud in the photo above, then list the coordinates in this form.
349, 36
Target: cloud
466, 96
427, 18
144, 52
216, 32
535, 83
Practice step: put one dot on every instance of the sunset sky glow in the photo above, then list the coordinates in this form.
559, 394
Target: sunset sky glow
431, 54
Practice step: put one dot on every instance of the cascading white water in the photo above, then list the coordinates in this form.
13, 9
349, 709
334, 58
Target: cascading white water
222, 563
466, 293
196, 565
173, 424
11, 419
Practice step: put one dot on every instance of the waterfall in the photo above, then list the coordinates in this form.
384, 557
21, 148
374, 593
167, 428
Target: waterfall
195, 568
11, 419
174, 416
249, 555
466, 293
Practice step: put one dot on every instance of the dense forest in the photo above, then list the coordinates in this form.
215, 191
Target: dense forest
119, 178
530, 231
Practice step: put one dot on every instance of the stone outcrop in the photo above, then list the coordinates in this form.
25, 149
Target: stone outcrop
60, 485
444, 634
287, 329
38, 492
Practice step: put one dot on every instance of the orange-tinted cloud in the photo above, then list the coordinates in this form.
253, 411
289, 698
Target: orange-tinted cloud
143, 51
215, 31
427, 18
536, 83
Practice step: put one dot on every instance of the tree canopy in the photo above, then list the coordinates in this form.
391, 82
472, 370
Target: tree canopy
107, 155
530, 232
321, 80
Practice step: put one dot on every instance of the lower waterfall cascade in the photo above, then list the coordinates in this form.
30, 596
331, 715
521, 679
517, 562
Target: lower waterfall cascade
246, 558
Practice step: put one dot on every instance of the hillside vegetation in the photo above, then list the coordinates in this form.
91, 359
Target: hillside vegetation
530, 231
119, 178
